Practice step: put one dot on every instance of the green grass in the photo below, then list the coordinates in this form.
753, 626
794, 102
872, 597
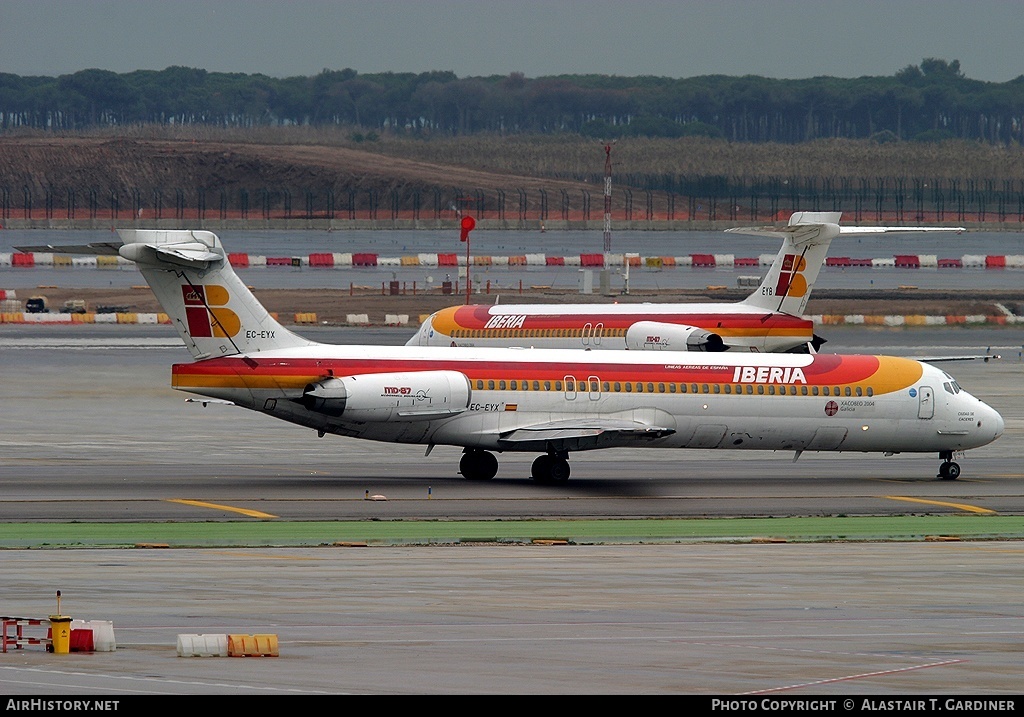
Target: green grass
285, 534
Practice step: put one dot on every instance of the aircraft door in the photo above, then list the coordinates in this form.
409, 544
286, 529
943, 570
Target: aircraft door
595, 387
570, 387
598, 332
588, 329
926, 402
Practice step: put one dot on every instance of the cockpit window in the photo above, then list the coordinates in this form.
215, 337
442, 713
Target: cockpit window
945, 385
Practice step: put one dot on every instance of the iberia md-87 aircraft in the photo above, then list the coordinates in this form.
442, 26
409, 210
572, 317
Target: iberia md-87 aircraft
770, 319
552, 402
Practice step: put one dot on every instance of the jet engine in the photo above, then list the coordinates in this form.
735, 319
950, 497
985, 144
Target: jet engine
659, 336
404, 396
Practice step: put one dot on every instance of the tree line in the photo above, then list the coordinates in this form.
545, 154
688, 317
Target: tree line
927, 102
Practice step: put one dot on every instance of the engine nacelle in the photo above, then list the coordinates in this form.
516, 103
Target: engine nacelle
659, 336
399, 396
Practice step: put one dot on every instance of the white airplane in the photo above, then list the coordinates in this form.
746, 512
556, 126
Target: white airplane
770, 319
552, 402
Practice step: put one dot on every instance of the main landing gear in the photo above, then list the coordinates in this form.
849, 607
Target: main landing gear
478, 465
551, 468
949, 470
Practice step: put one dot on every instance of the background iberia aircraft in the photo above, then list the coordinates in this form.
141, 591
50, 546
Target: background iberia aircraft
770, 319
550, 402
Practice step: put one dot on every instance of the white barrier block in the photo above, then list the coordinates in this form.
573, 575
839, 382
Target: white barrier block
766, 259
5, 258
43, 258
428, 259
258, 260
85, 262
974, 260
725, 259
396, 319
854, 319
894, 320
389, 261
145, 318
573, 260
202, 645
343, 259
106, 318
1015, 261
976, 318
615, 259
102, 633
934, 320
499, 260
358, 318
536, 259
930, 261
883, 263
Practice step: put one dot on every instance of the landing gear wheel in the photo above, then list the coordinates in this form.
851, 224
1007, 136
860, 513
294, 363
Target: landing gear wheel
949, 470
541, 469
550, 469
478, 465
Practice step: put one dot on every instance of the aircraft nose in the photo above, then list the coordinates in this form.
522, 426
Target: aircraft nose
993, 421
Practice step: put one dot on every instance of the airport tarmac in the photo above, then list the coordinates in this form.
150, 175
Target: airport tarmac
90, 428
779, 621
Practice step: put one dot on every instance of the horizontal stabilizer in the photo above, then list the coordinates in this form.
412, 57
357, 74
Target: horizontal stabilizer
897, 230
95, 248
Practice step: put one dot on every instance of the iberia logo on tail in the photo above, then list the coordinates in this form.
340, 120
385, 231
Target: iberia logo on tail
219, 321
791, 278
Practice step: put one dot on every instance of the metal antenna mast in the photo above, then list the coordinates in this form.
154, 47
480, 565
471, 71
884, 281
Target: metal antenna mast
608, 197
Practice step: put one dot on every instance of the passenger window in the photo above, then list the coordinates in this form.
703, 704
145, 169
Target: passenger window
490, 385
536, 385
760, 390
871, 391
846, 391
704, 388
629, 387
825, 391
639, 387
814, 390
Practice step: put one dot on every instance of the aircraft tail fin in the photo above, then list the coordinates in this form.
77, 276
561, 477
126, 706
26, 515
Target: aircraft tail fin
787, 285
213, 311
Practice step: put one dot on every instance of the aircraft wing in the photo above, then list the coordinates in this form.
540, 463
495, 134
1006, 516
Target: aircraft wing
208, 401
583, 433
938, 359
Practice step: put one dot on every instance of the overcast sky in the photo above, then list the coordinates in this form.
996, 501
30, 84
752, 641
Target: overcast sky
670, 38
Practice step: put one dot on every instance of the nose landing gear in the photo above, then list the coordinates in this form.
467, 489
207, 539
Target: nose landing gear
949, 470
